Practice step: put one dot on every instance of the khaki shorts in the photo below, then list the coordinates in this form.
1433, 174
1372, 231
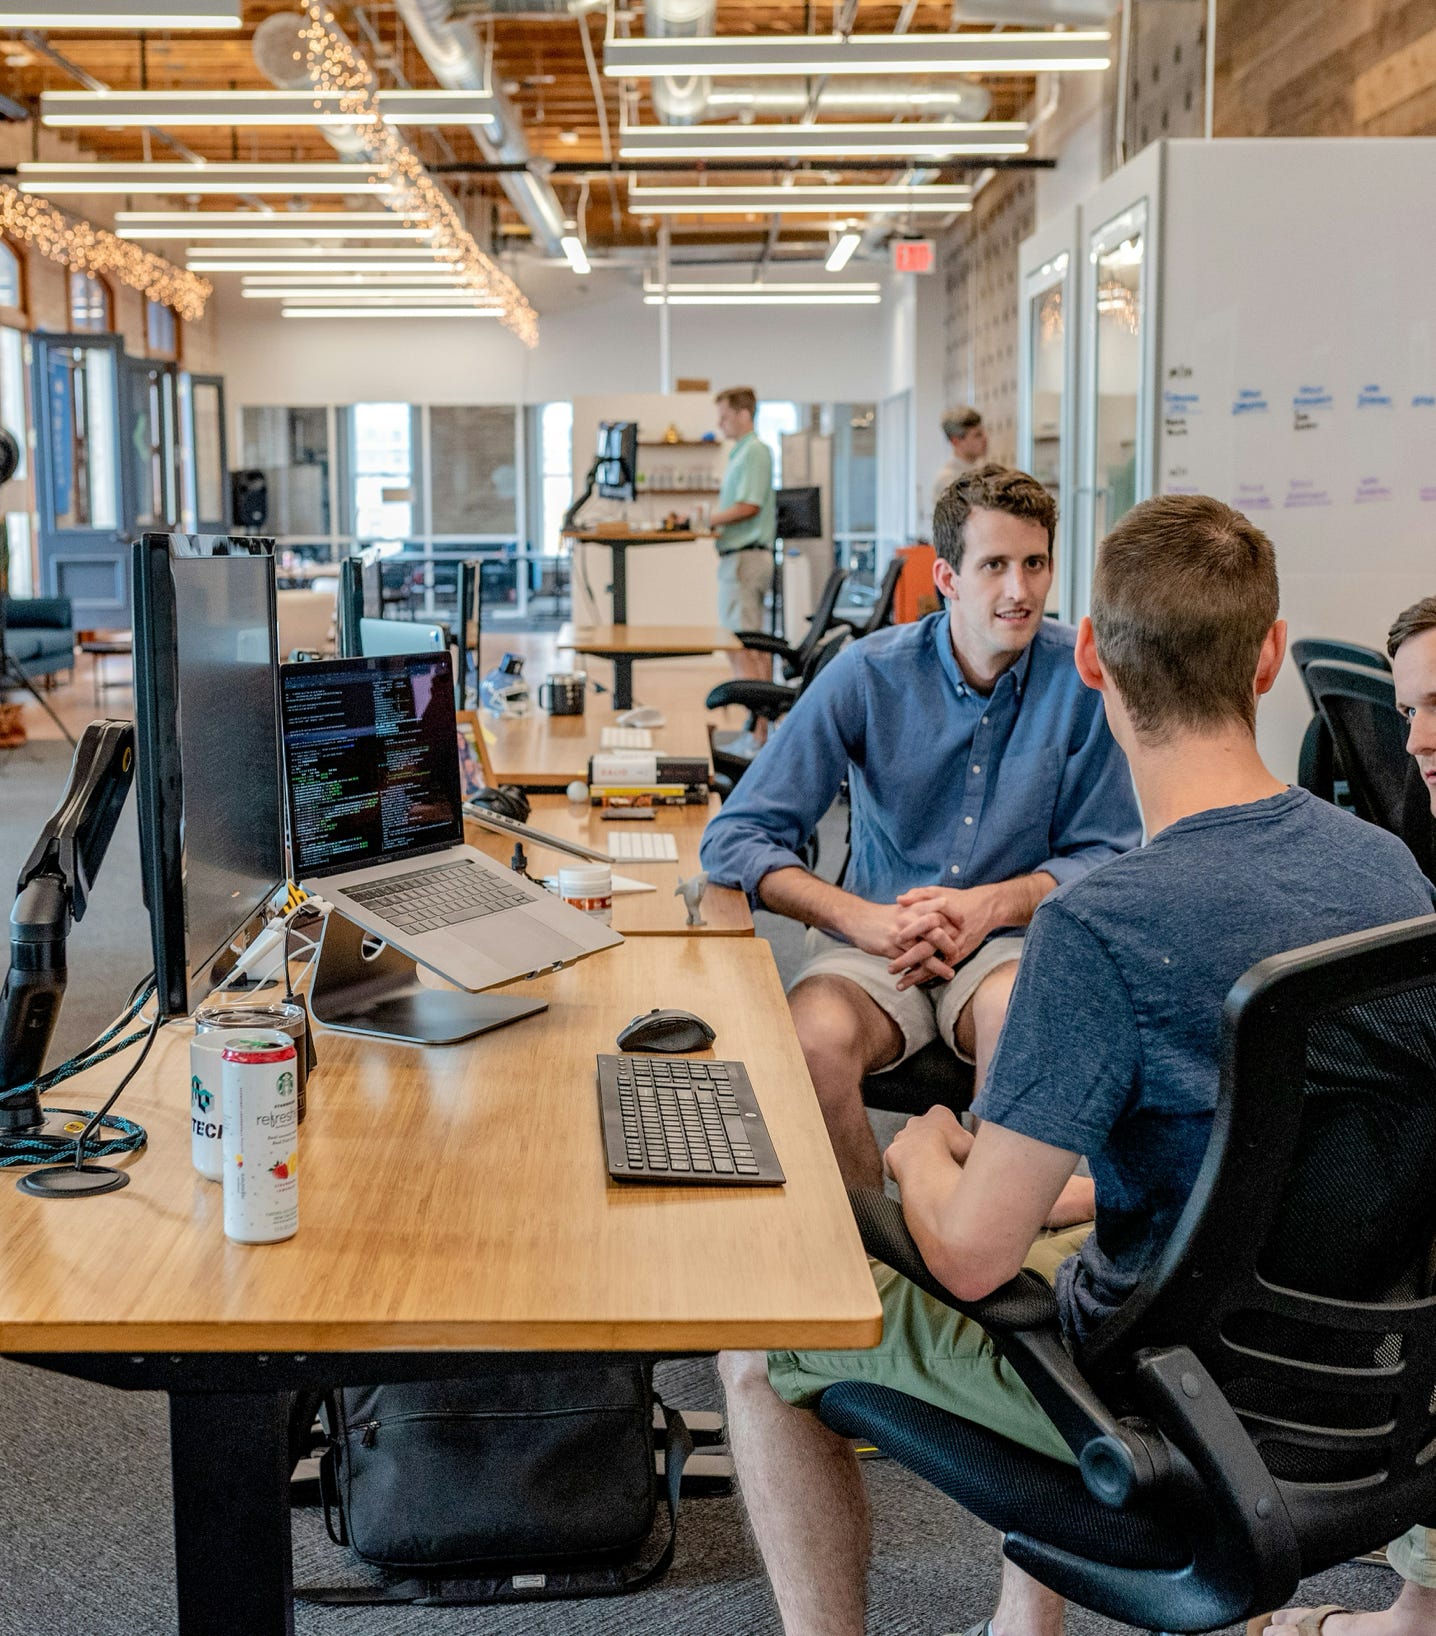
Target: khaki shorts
743, 581
933, 1353
1414, 1557
922, 1014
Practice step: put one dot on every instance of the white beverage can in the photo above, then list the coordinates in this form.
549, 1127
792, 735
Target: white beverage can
206, 1091
260, 1107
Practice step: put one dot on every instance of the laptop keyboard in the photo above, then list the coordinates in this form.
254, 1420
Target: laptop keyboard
446, 895
676, 1119
643, 846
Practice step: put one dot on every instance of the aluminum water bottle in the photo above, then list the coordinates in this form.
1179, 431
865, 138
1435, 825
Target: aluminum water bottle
206, 1149
261, 1137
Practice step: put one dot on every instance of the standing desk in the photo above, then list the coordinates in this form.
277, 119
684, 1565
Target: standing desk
635, 914
618, 537
454, 1202
626, 644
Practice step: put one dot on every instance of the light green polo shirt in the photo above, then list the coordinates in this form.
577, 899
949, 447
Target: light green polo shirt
748, 480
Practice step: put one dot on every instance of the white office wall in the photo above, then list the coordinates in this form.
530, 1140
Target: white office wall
596, 337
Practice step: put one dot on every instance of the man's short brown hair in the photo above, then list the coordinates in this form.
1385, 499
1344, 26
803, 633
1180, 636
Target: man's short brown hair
742, 398
1184, 594
1419, 617
988, 488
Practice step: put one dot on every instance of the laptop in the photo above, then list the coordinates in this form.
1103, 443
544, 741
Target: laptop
376, 826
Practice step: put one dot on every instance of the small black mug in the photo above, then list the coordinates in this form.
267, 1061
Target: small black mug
562, 693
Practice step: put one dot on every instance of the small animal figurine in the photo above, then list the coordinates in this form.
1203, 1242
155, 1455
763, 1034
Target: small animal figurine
691, 891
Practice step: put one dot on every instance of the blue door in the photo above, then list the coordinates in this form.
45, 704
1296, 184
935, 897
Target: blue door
78, 476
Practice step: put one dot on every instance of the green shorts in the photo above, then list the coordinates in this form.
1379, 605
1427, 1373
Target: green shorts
933, 1353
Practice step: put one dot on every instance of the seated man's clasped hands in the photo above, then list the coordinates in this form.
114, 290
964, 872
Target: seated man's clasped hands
981, 774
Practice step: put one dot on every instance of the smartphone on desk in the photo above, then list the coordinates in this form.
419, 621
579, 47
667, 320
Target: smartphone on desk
629, 815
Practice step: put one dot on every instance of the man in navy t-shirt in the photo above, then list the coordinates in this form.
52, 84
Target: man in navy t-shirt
1110, 1049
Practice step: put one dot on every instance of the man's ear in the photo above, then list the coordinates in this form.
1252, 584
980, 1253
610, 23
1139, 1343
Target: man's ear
944, 576
1273, 651
1089, 668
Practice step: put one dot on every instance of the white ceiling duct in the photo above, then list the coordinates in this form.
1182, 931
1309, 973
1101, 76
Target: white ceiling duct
1034, 13
451, 49
871, 97
279, 50
680, 101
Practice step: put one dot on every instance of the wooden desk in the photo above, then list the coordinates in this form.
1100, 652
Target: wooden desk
635, 914
625, 644
539, 751
453, 1200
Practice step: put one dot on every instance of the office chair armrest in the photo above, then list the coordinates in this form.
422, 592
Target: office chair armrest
762, 642
770, 699
1119, 1461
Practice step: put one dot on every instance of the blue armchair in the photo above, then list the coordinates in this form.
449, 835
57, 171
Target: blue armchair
40, 634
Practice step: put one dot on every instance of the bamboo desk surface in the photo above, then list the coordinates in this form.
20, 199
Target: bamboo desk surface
457, 1197
616, 641
539, 749
635, 914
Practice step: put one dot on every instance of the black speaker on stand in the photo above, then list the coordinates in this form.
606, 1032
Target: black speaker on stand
249, 500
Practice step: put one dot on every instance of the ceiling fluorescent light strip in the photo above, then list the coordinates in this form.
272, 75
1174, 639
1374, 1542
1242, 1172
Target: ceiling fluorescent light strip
390, 312
201, 230
575, 254
285, 253
259, 221
121, 14
301, 278
716, 56
938, 138
455, 295
936, 200
263, 264
53, 178
827, 287
117, 110
676, 298
842, 252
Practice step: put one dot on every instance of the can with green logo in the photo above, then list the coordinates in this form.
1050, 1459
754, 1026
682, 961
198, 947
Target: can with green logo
259, 1077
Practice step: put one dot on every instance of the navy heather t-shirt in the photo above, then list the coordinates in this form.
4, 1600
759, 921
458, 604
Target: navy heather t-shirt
1112, 1037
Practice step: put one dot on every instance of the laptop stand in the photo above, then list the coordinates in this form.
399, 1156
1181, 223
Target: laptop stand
384, 997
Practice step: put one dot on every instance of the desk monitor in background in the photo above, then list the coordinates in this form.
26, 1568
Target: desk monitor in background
800, 514
470, 622
361, 596
616, 459
380, 636
207, 773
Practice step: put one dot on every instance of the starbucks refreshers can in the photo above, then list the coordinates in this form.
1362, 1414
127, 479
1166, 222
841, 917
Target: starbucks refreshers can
255, 1016
261, 1137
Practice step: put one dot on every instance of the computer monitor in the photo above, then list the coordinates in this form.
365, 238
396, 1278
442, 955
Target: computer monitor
361, 595
207, 764
470, 622
799, 513
617, 459
380, 636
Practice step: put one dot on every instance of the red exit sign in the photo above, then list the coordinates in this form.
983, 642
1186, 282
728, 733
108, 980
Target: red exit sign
914, 255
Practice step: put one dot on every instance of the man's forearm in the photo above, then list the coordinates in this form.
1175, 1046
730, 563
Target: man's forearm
1020, 896
802, 896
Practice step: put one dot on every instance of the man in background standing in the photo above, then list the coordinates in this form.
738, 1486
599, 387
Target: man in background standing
745, 526
963, 429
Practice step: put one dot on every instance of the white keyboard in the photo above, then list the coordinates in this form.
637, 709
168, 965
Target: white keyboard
647, 846
626, 738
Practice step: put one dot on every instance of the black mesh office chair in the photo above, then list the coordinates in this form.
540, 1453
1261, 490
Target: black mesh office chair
1368, 736
1317, 766
881, 612
769, 700
1263, 1406
794, 659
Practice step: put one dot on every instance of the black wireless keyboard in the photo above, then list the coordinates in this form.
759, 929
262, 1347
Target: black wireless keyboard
690, 1121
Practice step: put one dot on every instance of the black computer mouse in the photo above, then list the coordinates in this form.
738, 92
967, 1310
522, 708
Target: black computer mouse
666, 1031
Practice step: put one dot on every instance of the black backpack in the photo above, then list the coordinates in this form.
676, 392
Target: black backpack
536, 1480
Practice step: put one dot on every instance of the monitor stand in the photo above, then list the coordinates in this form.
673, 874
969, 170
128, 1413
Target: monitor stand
384, 997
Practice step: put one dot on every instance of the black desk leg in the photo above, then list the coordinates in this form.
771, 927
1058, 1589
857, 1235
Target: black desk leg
234, 1566
619, 587
622, 682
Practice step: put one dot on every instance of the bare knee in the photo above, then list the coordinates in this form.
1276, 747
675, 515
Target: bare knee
743, 1372
842, 1030
990, 1001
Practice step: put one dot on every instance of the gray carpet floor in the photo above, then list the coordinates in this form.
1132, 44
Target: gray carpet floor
85, 1545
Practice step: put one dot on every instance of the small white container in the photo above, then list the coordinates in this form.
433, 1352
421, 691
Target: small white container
261, 1137
206, 1102
588, 887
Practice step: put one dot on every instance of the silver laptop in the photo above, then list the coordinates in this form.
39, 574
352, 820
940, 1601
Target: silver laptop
371, 762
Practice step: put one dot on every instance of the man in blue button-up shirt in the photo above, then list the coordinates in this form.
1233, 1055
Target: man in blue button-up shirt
981, 773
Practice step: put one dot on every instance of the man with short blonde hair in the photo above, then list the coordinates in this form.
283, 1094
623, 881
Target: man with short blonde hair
745, 526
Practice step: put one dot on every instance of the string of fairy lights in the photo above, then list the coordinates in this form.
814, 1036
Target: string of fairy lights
86, 248
335, 68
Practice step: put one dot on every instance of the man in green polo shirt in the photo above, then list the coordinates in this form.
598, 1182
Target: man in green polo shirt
745, 525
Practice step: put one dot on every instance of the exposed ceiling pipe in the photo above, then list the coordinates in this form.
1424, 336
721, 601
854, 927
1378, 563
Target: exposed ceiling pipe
279, 50
1034, 13
453, 54
680, 101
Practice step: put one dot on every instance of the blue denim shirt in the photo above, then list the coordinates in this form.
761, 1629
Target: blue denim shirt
949, 787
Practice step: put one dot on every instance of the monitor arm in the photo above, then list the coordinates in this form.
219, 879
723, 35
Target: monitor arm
571, 515
51, 894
